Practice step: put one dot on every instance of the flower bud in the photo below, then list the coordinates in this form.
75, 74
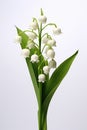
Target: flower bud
32, 35
46, 49
34, 25
52, 64
52, 42
46, 69
30, 44
42, 19
41, 78
45, 39
56, 31
50, 53
34, 58
25, 53
18, 39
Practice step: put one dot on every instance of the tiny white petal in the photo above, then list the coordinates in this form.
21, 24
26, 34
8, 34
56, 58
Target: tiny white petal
31, 35
34, 25
46, 69
56, 31
34, 58
25, 53
52, 42
41, 78
52, 63
18, 39
50, 53
42, 19
30, 45
46, 49
45, 39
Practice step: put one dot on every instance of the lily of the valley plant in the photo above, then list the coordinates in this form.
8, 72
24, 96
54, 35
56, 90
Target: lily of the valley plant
38, 50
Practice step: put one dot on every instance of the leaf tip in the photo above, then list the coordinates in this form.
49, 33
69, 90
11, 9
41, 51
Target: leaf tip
77, 52
15, 26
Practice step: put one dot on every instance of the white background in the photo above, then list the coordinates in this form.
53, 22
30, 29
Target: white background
18, 105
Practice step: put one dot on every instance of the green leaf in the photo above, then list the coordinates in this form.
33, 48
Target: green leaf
33, 77
55, 81
24, 37
31, 67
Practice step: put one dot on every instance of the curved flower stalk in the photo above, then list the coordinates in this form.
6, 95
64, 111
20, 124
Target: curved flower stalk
38, 51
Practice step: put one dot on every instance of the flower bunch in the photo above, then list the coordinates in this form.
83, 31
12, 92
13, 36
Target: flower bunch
44, 44
38, 49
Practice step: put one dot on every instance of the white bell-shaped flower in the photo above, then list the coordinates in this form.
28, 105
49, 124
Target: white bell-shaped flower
18, 39
52, 42
45, 39
42, 19
50, 54
41, 78
34, 58
56, 31
32, 35
34, 25
46, 69
52, 64
46, 49
25, 53
30, 44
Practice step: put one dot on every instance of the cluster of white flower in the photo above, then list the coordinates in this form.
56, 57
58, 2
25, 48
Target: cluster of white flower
46, 45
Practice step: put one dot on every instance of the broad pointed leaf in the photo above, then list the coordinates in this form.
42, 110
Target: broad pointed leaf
55, 81
32, 67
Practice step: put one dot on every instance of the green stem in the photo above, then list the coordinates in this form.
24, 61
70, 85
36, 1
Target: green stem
44, 125
45, 34
40, 32
49, 24
31, 31
42, 122
42, 119
40, 85
40, 108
